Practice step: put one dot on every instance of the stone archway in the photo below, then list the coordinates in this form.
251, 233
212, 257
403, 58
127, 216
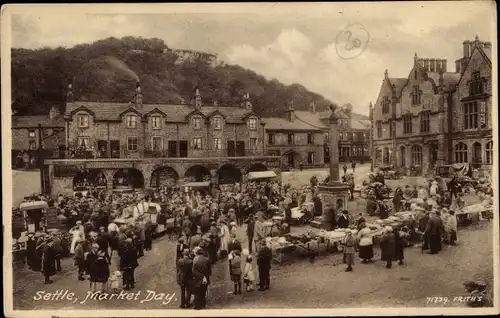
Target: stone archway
163, 176
88, 178
197, 173
129, 178
228, 174
256, 167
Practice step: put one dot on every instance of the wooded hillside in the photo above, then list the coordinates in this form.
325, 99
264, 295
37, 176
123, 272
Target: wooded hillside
40, 77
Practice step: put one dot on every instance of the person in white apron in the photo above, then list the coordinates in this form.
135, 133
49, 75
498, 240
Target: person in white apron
77, 234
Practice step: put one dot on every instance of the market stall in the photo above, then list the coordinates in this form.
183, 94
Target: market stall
34, 215
261, 175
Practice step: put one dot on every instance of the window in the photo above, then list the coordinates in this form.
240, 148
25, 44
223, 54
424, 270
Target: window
416, 95
32, 145
310, 158
31, 133
253, 143
83, 121
378, 154
391, 128
425, 125
385, 105
489, 153
416, 155
270, 139
197, 143
471, 114
476, 85
197, 122
326, 136
461, 153
290, 139
252, 123
132, 121
407, 125
386, 156
379, 129
354, 137
132, 144
156, 121
217, 122
364, 136
218, 143
83, 142
156, 143
310, 139
341, 136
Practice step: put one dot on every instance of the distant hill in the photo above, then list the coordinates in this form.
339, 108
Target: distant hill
99, 72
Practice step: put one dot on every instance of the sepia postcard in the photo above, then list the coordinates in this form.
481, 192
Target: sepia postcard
250, 159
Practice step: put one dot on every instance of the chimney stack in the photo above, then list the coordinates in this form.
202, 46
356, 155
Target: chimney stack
444, 65
70, 98
53, 113
138, 95
312, 107
432, 65
246, 101
290, 111
467, 49
197, 99
426, 65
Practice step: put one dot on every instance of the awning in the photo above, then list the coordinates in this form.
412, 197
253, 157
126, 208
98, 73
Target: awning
33, 205
204, 184
261, 175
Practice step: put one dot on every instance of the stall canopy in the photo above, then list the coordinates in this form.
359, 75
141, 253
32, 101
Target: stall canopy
34, 205
197, 184
261, 175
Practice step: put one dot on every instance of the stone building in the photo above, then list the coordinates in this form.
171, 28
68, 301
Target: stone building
26, 130
302, 136
145, 145
354, 135
471, 117
417, 119
298, 138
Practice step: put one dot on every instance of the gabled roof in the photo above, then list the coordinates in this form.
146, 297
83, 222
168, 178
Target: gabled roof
108, 111
155, 111
275, 123
361, 124
449, 78
483, 54
398, 83
130, 110
216, 112
313, 119
33, 121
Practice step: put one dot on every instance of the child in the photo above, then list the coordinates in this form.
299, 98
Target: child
248, 274
115, 282
235, 271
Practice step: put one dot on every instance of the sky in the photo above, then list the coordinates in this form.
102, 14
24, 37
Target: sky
339, 50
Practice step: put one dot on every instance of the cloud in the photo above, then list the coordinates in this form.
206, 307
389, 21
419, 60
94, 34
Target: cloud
294, 43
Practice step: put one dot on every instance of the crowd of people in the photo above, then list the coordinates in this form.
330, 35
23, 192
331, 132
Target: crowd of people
205, 225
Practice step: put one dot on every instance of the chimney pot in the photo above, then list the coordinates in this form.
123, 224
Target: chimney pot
426, 65
138, 95
467, 49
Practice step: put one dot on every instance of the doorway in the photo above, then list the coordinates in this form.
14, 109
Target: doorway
183, 148
115, 148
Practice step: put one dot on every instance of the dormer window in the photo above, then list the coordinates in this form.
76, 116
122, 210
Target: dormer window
217, 122
156, 122
197, 122
83, 121
252, 123
476, 85
132, 121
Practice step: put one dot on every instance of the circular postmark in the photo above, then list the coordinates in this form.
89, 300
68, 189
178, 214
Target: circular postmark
352, 41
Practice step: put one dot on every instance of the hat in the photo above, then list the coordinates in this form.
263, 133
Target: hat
388, 228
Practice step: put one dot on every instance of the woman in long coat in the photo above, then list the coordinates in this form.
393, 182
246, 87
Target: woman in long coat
99, 269
128, 264
49, 262
388, 246
399, 243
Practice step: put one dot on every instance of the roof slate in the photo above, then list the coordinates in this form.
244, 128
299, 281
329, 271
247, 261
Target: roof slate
33, 121
174, 113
